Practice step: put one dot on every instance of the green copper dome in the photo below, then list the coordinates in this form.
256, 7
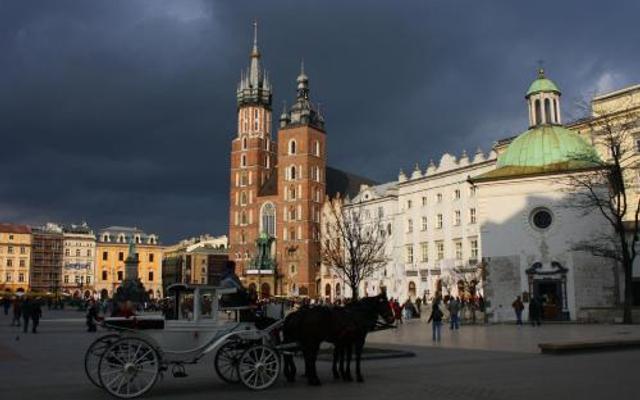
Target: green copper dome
542, 84
548, 145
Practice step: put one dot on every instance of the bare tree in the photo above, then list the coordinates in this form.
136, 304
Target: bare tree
354, 243
468, 280
605, 189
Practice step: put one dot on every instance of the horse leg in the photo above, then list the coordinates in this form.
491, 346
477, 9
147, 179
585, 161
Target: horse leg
337, 352
346, 375
342, 350
310, 354
289, 368
359, 347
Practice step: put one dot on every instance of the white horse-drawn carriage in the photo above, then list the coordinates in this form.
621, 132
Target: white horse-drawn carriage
128, 361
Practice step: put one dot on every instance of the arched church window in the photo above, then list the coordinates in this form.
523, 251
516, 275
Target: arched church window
292, 172
292, 146
555, 111
244, 143
243, 160
538, 111
316, 148
243, 218
268, 219
243, 198
547, 111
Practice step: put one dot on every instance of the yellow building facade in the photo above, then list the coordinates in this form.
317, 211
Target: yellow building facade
617, 113
15, 257
112, 249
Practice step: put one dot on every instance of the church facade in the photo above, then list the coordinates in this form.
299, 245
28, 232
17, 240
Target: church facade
501, 224
278, 186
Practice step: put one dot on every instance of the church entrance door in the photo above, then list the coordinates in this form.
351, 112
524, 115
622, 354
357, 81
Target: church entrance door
549, 292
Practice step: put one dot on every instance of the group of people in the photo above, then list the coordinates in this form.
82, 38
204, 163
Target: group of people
535, 310
454, 306
25, 310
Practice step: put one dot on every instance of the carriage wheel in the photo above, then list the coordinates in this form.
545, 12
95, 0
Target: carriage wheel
259, 367
129, 368
93, 354
227, 360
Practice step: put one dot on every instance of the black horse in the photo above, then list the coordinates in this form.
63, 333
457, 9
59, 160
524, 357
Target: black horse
354, 339
344, 327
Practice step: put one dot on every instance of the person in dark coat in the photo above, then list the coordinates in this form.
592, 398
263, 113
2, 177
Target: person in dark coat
436, 320
17, 311
92, 316
26, 314
535, 311
518, 307
6, 304
35, 314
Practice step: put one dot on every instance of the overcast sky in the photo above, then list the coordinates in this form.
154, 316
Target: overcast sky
122, 112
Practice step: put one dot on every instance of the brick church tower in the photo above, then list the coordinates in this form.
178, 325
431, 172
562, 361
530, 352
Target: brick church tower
253, 158
277, 191
301, 184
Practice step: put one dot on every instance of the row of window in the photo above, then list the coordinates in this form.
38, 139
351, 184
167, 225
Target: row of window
440, 251
120, 275
9, 277
457, 220
79, 279
293, 147
67, 252
87, 243
10, 250
105, 256
266, 161
247, 118
439, 197
122, 239
21, 263
294, 172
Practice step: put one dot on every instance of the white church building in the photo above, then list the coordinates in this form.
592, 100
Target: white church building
501, 223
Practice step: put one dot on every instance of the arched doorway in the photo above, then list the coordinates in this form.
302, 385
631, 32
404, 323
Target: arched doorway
252, 287
87, 294
104, 294
327, 291
338, 291
76, 294
150, 293
265, 290
412, 290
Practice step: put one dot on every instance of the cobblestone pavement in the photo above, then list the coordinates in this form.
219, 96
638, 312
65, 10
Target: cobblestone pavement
492, 362
503, 337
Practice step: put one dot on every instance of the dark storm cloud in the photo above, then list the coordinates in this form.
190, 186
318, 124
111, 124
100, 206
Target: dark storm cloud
121, 112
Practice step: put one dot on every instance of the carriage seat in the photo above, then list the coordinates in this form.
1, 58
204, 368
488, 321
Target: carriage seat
135, 322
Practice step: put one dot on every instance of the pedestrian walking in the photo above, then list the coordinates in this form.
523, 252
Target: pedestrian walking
436, 321
92, 316
17, 311
6, 304
36, 314
535, 311
518, 307
397, 311
454, 310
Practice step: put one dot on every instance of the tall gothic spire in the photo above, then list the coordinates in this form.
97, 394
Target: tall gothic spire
254, 87
254, 70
